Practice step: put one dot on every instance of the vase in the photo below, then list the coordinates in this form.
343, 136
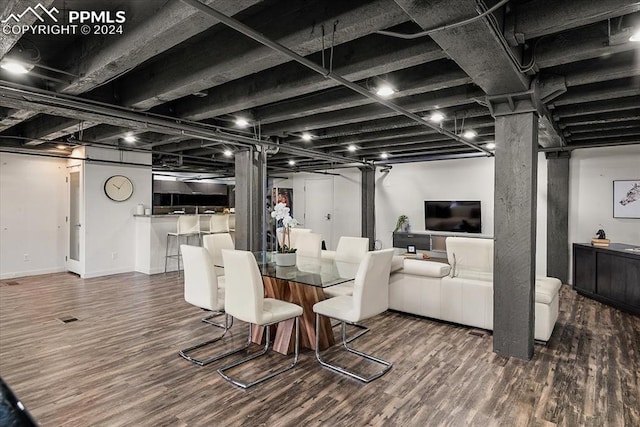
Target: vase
285, 259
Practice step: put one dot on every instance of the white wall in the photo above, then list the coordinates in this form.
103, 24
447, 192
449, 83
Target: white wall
592, 172
33, 205
110, 228
405, 187
347, 201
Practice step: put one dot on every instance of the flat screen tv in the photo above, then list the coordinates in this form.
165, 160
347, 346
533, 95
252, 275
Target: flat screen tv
462, 216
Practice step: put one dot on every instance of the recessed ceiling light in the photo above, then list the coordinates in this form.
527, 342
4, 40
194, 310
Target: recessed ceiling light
384, 155
15, 67
61, 147
292, 162
436, 117
469, 134
242, 122
385, 90
352, 148
490, 146
228, 153
306, 136
130, 138
635, 37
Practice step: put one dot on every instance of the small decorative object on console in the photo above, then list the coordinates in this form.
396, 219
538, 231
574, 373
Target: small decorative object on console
600, 239
402, 224
411, 249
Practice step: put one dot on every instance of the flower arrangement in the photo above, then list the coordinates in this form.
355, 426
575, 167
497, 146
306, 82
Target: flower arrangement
281, 213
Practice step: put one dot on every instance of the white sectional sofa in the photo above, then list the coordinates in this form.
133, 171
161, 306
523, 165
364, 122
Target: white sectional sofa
462, 291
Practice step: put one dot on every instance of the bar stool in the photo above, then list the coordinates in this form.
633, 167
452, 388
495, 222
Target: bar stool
188, 226
219, 223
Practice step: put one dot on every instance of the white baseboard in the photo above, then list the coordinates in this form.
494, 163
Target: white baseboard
15, 274
93, 274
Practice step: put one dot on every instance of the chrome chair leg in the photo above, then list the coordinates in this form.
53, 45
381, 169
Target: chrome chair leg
222, 370
199, 362
166, 254
219, 325
387, 365
363, 330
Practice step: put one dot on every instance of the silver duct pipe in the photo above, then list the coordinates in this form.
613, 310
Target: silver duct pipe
586, 145
249, 32
56, 103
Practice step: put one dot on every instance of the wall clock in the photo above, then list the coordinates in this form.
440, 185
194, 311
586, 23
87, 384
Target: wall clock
118, 188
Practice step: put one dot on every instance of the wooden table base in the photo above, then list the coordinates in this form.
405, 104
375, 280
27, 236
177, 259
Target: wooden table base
305, 296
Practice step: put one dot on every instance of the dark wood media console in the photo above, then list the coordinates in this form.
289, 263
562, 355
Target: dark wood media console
608, 274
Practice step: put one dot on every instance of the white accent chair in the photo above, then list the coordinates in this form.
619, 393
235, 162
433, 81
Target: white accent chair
214, 244
370, 298
187, 226
308, 244
201, 289
244, 300
349, 249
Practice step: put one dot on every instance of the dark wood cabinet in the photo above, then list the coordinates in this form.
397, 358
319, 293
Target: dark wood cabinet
610, 275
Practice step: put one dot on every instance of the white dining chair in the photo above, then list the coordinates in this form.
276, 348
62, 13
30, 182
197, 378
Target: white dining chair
309, 245
370, 298
244, 300
349, 249
214, 244
201, 290
294, 233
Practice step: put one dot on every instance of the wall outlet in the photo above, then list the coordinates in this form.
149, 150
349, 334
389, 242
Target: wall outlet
26, 257
114, 255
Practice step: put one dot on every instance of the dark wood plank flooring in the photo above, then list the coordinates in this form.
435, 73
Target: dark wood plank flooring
118, 365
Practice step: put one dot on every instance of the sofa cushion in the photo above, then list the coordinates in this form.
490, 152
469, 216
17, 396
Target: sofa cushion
546, 289
396, 263
470, 257
425, 268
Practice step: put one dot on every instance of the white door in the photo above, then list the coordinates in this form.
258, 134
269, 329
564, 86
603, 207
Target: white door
74, 221
318, 207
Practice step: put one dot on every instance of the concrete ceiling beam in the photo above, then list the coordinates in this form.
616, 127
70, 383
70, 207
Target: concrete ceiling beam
395, 134
445, 98
599, 134
619, 104
541, 17
475, 47
357, 60
393, 124
17, 7
402, 143
601, 118
599, 71
100, 62
169, 26
577, 45
229, 56
628, 124
598, 92
411, 81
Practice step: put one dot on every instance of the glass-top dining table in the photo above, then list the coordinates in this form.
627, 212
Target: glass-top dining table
301, 284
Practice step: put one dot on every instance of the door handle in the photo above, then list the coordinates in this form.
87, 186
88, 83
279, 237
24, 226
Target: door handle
78, 225
328, 216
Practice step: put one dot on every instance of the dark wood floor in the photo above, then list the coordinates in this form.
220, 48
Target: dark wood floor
118, 365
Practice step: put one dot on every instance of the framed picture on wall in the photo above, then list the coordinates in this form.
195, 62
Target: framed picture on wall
626, 198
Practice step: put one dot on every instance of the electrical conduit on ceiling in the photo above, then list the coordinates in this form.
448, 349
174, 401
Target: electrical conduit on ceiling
249, 32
